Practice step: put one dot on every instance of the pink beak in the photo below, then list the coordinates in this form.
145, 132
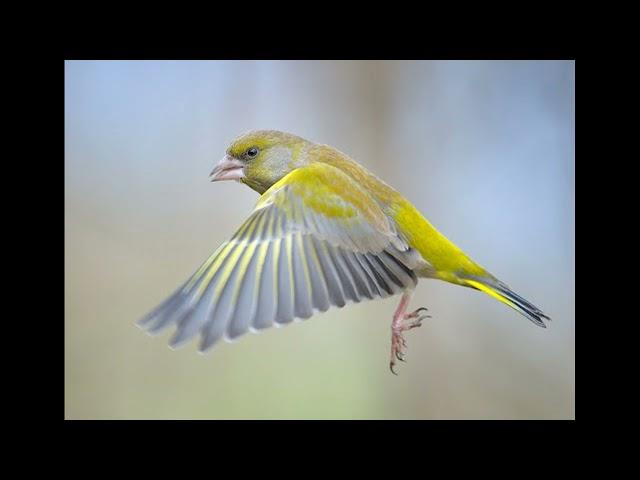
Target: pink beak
227, 169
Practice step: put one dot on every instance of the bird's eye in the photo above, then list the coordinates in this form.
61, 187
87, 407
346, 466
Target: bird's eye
252, 152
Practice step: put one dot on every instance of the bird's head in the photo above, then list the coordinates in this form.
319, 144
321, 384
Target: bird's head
260, 158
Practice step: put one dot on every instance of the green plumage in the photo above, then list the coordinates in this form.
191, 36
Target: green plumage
325, 232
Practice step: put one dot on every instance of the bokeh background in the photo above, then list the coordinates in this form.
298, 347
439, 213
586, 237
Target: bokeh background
484, 149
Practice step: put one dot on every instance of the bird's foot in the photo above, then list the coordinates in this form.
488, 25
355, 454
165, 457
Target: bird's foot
406, 322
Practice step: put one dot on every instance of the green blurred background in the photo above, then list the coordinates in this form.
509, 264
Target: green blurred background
484, 149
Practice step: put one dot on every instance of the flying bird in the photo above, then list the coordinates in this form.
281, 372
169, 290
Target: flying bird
325, 232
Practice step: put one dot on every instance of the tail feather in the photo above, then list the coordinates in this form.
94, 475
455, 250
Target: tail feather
503, 293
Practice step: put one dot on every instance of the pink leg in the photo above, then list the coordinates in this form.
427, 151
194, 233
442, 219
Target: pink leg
400, 324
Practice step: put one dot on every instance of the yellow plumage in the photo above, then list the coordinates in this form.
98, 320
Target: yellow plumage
324, 232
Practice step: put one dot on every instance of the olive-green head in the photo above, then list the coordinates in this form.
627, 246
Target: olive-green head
260, 158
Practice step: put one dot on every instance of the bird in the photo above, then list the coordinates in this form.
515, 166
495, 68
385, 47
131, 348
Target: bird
325, 232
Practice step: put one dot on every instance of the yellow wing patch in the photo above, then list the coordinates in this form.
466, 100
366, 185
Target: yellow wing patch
328, 191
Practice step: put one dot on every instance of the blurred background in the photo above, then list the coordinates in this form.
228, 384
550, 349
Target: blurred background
484, 149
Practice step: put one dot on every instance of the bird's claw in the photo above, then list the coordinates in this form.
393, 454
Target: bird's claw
415, 313
418, 322
398, 342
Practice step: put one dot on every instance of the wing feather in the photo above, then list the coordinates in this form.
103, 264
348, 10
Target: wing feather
347, 283
267, 294
331, 278
303, 297
357, 274
319, 290
243, 301
284, 312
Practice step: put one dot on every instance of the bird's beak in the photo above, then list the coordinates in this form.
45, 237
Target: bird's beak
227, 169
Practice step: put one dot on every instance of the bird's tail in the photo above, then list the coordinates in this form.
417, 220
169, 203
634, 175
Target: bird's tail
503, 293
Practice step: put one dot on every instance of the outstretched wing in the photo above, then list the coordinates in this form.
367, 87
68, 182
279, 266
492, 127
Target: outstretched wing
315, 239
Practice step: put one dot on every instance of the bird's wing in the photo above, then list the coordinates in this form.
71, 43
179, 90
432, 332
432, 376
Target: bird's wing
315, 239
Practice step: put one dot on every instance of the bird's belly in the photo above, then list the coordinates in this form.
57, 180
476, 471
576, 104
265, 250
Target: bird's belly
443, 258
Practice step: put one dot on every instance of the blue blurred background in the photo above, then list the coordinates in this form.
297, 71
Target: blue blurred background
484, 149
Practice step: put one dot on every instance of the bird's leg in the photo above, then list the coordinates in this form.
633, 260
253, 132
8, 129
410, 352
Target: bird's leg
403, 321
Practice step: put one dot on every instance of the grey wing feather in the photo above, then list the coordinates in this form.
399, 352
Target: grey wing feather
279, 267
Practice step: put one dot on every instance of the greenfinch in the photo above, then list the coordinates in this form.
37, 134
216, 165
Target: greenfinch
325, 232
